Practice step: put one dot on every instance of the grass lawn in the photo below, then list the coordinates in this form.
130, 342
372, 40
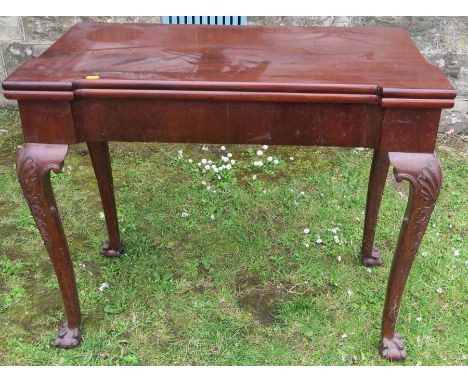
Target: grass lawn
221, 271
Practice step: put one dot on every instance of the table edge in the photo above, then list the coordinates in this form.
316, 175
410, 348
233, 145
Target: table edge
421, 100
20, 89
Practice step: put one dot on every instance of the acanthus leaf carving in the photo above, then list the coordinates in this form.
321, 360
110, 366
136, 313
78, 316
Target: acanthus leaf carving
31, 175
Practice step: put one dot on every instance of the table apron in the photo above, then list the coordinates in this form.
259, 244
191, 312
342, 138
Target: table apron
230, 122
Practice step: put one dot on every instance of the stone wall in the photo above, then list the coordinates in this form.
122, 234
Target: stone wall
442, 40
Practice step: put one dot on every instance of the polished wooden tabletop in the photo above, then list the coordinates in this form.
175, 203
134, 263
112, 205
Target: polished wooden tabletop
254, 58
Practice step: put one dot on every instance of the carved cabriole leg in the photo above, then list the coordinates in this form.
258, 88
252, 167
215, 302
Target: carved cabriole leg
370, 256
34, 163
424, 174
100, 158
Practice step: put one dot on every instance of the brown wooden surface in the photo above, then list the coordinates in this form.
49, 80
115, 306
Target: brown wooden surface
377, 58
370, 255
287, 87
410, 130
99, 152
227, 96
224, 122
48, 122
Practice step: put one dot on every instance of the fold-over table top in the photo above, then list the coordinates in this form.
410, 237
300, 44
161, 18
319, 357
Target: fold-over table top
381, 61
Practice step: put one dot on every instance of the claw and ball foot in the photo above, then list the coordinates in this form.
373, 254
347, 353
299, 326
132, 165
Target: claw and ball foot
108, 251
393, 348
68, 338
374, 260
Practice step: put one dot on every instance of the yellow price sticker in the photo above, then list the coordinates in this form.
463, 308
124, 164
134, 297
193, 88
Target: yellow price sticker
92, 77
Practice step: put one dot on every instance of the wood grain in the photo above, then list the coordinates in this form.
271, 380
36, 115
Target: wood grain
233, 58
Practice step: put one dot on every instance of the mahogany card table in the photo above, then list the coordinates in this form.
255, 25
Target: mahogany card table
275, 85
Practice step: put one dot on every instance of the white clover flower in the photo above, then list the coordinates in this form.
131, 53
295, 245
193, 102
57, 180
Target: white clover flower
260, 163
229, 155
369, 270
207, 167
203, 161
264, 191
456, 253
306, 245
291, 158
319, 240
228, 166
204, 148
336, 239
208, 188
101, 215
203, 182
339, 258
180, 154
225, 159
212, 217
254, 177
306, 230
190, 161
302, 193
103, 286
210, 162
223, 148
233, 161
216, 169
439, 290
213, 166
419, 319
265, 147
259, 153
276, 161
269, 159
349, 293
344, 336
199, 164
184, 214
